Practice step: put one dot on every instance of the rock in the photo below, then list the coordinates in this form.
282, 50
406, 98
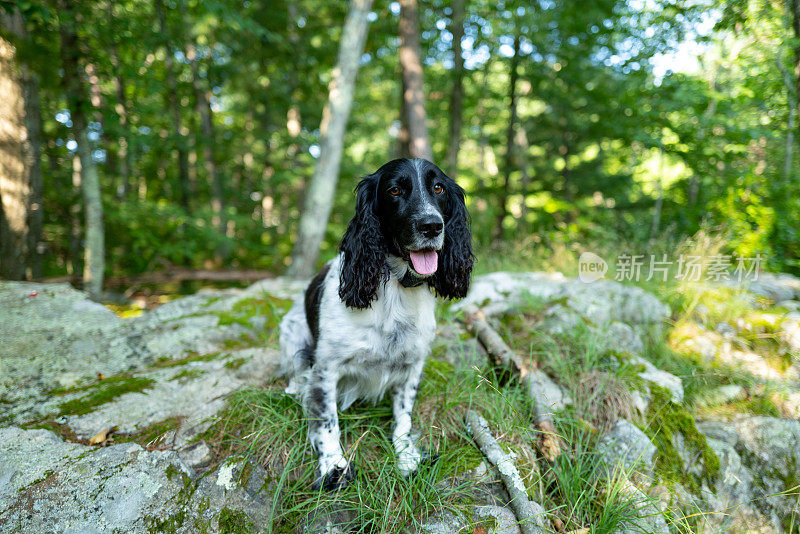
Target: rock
788, 403
619, 337
715, 349
760, 453
68, 352
648, 520
776, 286
196, 455
726, 330
789, 333
194, 391
722, 395
505, 522
660, 378
499, 292
626, 447
458, 347
599, 302
45, 482
719, 431
554, 398
733, 488
445, 522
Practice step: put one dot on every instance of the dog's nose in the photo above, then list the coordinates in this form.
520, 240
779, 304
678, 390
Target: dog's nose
430, 227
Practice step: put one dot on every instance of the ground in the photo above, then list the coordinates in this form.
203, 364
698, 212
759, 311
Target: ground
674, 414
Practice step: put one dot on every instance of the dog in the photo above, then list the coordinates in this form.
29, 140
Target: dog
365, 323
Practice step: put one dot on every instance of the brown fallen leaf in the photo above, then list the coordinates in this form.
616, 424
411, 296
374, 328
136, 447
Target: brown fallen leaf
480, 530
100, 376
558, 525
103, 436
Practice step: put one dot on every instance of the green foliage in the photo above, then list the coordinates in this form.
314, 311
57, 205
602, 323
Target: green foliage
605, 130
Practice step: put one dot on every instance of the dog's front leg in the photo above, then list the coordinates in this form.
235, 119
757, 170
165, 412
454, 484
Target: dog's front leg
323, 432
408, 455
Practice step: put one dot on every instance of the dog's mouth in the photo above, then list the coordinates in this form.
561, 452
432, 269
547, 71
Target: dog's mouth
424, 261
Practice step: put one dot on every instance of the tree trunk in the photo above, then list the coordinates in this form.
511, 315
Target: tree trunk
124, 162
457, 95
512, 122
173, 108
659, 196
94, 247
414, 91
209, 159
293, 119
522, 146
794, 6
20, 164
403, 137
321, 188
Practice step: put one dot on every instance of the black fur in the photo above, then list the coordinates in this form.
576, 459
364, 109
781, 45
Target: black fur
451, 280
364, 265
385, 223
313, 299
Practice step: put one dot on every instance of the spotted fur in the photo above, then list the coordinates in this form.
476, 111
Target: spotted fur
361, 329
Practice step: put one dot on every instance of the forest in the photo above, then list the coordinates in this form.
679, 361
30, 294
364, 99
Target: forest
143, 136
172, 172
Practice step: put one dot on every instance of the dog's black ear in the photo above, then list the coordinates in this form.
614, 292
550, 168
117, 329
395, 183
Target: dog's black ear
363, 249
451, 279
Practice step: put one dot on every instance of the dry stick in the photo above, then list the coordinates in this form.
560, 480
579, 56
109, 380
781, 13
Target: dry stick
530, 515
501, 355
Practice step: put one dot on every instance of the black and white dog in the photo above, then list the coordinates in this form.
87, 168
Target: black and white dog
366, 322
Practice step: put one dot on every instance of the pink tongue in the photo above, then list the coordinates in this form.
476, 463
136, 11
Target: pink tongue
425, 262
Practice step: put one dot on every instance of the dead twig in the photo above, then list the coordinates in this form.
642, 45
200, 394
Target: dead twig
529, 514
501, 355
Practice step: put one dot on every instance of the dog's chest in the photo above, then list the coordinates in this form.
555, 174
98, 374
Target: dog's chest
397, 329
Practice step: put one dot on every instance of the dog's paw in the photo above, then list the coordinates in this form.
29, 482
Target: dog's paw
336, 478
409, 466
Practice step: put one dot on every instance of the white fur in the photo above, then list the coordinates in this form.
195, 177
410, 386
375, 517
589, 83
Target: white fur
361, 354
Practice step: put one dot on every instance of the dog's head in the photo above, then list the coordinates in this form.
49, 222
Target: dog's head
409, 209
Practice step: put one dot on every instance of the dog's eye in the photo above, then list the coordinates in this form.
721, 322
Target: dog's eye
394, 191
438, 189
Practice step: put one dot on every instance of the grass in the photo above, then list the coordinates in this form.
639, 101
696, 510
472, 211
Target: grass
267, 426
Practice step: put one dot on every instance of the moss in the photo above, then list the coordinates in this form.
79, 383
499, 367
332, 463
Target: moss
47, 474
235, 364
104, 392
193, 357
243, 341
760, 405
234, 522
188, 374
267, 306
666, 421
116, 379
628, 371
168, 525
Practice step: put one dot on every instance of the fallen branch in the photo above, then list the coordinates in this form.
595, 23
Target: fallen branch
530, 515
501, 353
175, 274
533, 379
